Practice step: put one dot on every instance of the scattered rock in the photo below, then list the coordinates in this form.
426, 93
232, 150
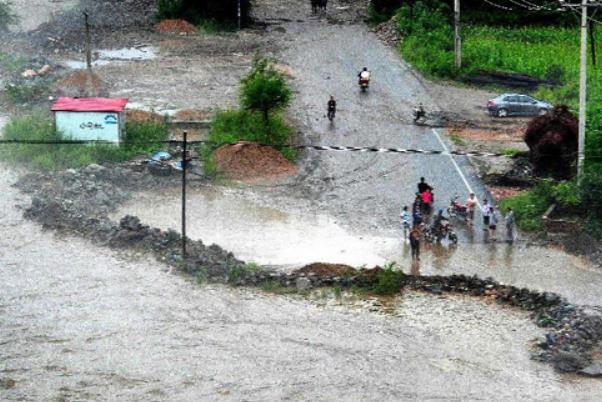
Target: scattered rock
568, 361
302, 284
28, 73
593, 370
7, 383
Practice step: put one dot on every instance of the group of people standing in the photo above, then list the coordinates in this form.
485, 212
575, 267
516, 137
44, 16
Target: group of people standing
423, 206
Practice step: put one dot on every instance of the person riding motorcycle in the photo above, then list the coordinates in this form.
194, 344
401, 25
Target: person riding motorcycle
332, 108
364, 76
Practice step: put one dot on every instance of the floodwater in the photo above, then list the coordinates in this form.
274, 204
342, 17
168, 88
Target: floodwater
240, 221
111, 56
80, 322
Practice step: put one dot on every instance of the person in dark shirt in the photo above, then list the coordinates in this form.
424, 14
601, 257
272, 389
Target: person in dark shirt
415, 243
332, 108
423, 186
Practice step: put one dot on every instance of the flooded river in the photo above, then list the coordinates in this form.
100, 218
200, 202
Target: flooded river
80, 322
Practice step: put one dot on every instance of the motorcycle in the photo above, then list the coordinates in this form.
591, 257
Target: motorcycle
419, 115
456, 209
434, 234
364, 84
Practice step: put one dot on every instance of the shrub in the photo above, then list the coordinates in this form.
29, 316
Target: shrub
389, 281
24, 91
264, 89
7, 16
196, 11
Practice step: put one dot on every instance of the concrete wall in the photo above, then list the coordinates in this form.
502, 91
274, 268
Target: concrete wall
104, 126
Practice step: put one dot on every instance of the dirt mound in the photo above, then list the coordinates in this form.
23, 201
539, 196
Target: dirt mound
193, 115
321, 269
175, 27
141, 116
248, 161
82, 83
388, 32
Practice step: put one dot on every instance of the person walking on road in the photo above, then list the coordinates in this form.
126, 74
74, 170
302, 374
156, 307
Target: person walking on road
471, 204
509, 220
405, 221
486, 214
332, 108
415, 243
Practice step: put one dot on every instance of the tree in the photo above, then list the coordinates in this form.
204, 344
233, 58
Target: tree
264, 89
197, 10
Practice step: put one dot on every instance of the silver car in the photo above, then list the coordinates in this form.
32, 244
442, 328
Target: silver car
517, 105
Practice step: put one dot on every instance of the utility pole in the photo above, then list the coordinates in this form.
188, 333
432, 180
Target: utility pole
184, 163
88, 43
239, 15
582, 80
582, 90
457, 38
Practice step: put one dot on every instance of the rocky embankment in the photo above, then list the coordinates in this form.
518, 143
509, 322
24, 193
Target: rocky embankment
79, 202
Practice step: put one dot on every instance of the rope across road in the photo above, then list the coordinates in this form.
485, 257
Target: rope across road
336, 148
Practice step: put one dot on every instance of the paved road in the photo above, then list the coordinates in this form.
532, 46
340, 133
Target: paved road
366, 189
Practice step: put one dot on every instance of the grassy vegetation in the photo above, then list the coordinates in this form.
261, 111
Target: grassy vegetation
545, 52
39, 127
389, 281
456, 139
529, 207
214, 26
511, 152
264, 95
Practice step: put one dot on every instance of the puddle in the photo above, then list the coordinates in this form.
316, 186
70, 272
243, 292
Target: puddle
256, 233
113, 56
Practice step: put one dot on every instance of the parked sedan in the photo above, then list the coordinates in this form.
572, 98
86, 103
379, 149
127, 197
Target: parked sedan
517, 105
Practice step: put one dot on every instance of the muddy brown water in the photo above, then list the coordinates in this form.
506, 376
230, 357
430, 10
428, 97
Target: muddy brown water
268, 232
80, 322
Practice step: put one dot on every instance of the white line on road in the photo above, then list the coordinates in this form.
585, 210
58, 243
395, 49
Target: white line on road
455, 165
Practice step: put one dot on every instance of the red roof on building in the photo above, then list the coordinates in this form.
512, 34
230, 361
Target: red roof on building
89, 105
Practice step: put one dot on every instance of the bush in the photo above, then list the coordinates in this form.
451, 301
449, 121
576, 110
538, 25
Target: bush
196, 11
7, 16
389, 281
39, 127
264, 89
24, 91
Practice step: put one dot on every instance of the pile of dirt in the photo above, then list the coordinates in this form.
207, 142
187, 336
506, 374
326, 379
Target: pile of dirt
247, 161
505, 134
178, 27
142, 116
193, 115
82, 83
322, 270
501, 193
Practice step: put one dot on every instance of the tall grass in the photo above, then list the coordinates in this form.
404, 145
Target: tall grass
38, 127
